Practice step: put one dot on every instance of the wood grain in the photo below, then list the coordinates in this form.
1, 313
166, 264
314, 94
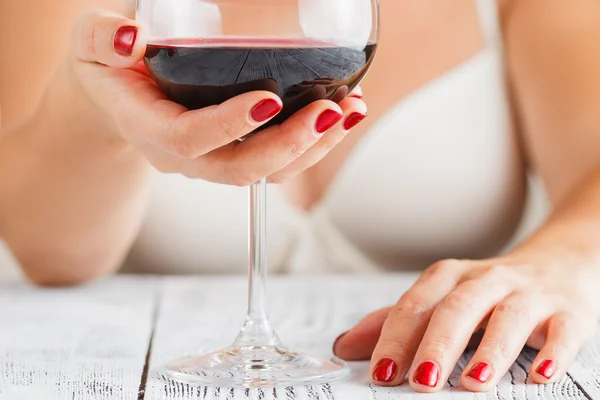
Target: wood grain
309, 313
94, 342
82, 343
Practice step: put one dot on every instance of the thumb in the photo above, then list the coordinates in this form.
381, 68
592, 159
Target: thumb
108, 39
359, 342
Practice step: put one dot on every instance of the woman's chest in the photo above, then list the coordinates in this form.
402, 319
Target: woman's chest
419, 42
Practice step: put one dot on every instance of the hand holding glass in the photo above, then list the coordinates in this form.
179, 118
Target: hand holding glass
203, 52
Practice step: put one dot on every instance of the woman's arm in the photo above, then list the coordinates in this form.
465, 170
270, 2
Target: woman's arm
70, 203
554, 61
545, 293
74, 175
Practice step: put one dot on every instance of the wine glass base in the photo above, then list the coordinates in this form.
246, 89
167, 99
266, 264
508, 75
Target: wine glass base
256, 366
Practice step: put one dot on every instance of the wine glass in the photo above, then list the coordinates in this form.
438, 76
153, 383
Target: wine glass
203, 52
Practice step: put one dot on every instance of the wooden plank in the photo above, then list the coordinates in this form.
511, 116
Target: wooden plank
87, 342
516, 384
586, 370
203, 314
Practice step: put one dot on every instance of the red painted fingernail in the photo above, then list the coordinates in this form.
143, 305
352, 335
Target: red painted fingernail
547, 368
481, 372
385, 371
337, 340
356, 95
265, 110
327, 120
125, 39
353, 120
427, 374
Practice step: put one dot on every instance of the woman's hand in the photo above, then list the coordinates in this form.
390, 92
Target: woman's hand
106, 57
541, 299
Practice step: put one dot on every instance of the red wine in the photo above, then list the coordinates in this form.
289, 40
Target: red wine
197, 73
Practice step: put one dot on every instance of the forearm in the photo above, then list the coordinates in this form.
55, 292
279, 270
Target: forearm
71, 200
571, 235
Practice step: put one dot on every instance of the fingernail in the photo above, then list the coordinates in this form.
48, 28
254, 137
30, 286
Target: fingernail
481, 372
353, 120
327, 120
427, 374
385, 371
125, 39
265, 110
356, 95
547, 368
337, 340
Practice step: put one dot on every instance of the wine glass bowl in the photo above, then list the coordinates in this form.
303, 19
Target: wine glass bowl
203, 52
199, 73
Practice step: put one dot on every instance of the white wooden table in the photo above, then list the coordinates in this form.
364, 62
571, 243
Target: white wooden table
107, 340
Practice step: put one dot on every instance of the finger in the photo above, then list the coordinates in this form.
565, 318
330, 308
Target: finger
268, 151
148, 118
452, 325
108, 39
358, 343
201, 131
407, 322
354, 112
511, 323
566, 335
357, 93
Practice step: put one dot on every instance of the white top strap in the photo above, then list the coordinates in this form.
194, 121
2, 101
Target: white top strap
490, 21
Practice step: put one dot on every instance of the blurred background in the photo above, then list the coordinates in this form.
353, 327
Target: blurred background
21, 92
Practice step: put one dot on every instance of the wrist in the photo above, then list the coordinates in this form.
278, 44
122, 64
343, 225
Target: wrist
558, 261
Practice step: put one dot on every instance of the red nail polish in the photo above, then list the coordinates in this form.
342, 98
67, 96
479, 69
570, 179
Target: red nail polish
427, 374
327, 120
265, 110
353, 120
125, 39
385, 371
481, 372
547, 368
355, 95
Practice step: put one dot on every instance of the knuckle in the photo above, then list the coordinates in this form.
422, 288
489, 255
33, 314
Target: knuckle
89, 39
413, 306
564, 320
497, 349
237, 176
567, 323
444, 266
393, 346
179, 139
439, 345
563, 347
460, 300
294, 149
230, 128
498, 271
83, 35
329, 142
181, 146
515, 311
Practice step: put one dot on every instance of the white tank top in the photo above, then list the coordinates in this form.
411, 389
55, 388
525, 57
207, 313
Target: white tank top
439, 176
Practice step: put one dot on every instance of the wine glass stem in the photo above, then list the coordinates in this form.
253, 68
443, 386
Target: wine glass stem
257, 330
